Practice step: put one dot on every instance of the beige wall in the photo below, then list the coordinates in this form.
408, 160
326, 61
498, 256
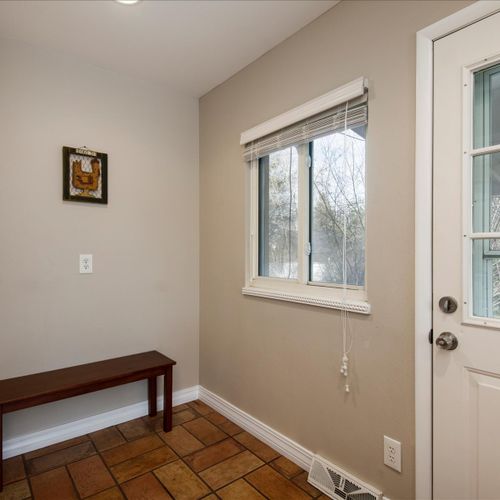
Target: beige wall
280, 361
144, 292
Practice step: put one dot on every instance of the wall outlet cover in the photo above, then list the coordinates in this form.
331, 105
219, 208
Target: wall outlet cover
86, 263
392, 453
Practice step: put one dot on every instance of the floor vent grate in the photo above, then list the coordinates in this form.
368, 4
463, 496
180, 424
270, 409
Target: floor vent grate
338, 484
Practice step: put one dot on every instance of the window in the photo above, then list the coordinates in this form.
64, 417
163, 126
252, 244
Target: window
307, 208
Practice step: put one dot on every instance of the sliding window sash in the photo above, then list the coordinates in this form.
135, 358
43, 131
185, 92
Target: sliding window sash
255, 272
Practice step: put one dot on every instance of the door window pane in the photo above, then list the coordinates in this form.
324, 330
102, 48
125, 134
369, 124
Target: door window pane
486, 193
487, 107
278, 204
338, 206
486, 278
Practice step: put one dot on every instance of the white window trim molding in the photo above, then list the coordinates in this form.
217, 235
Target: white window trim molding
423, 232
308, 297
352, 299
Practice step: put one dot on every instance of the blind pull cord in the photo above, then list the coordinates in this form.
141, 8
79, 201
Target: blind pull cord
290, 215
344, 313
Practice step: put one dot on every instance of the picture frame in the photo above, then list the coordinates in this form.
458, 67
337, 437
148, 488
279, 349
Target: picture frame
85, 175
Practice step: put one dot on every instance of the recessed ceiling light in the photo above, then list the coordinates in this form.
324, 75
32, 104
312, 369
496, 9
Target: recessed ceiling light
128, 2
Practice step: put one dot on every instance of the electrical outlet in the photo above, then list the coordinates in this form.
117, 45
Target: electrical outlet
85, 263
392, 453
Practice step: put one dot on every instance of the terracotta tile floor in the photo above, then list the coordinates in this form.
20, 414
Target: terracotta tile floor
205, 456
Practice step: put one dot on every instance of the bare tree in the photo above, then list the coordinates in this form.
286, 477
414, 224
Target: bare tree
282, 213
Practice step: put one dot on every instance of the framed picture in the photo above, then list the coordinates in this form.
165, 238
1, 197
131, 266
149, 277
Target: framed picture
85, 175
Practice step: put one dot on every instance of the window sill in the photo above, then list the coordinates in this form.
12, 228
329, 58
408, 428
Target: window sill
328, 300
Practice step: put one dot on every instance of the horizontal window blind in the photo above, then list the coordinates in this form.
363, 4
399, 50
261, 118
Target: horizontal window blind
311, 128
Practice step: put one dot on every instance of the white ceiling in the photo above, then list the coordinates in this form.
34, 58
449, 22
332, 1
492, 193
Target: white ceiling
190, 45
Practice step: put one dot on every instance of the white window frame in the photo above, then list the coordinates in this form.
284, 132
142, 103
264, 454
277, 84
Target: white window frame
353, 299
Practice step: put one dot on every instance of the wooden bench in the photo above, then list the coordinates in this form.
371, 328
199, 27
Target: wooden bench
32, 390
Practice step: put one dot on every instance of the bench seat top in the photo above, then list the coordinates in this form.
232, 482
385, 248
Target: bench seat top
30, 390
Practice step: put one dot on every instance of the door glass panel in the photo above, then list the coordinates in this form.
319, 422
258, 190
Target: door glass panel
486, 193
278, 204
486, 278
487, 107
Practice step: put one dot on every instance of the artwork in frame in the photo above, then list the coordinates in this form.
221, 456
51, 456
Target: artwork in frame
85, 175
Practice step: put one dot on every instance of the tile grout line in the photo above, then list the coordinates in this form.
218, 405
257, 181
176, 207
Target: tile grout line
23, 458
121, 433
163, 465
72, 481
252, 486
154, 475
118, 485
211, 490
256, 487
131, 458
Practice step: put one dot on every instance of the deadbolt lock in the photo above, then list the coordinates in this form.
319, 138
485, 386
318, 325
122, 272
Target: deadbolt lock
448, 304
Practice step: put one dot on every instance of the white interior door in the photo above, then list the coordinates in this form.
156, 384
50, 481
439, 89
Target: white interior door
466, 265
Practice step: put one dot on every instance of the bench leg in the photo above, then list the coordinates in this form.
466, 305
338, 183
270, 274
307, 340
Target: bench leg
152, 395
1, 449
167, 400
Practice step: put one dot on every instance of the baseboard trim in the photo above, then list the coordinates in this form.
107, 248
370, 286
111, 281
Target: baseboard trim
279, 442
40, 439
284, 445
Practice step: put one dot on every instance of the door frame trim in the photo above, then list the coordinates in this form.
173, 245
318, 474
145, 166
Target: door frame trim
423, 231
